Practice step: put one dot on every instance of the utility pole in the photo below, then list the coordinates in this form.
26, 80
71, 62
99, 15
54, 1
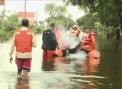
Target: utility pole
25, 9
2, 2
4, 9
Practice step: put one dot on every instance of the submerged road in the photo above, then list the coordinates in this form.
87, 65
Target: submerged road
72, 72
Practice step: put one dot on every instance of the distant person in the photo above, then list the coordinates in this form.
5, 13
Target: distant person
49, 46
23, 41
82, 35
73, 34
74, 31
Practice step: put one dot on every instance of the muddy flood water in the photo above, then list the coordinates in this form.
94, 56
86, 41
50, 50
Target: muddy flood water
71, 72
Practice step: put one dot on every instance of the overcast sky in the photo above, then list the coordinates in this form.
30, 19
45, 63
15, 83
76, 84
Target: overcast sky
37, 6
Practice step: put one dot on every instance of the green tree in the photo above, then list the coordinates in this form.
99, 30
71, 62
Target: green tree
61, 20
108, 11
53, 10
57, 15
8, 26
87, 20
50, 10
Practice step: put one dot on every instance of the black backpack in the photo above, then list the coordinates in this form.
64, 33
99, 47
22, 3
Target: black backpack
49, 40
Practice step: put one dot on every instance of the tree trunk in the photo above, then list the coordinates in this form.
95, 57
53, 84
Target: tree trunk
117, 34
118, 29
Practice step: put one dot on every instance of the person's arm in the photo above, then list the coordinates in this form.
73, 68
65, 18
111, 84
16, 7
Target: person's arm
34, 40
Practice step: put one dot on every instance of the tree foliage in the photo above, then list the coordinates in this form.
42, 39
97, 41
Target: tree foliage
8, 26
53, 10
108, 11
61, 20
88, 20
58, 15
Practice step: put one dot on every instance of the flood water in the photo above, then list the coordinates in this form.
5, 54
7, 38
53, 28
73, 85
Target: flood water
71, 72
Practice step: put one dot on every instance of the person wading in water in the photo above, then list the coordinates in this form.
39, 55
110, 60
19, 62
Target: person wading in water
23, 41
49, 46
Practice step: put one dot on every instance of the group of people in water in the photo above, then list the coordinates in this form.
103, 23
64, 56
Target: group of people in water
55, 42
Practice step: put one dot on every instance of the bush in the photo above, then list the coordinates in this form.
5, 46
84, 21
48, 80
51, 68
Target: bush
7, 27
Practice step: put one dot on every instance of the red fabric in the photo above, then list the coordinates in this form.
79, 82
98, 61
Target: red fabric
23, 63
48, 55
23, 40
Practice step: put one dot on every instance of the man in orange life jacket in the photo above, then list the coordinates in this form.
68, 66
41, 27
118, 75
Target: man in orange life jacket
49, 45
23, 41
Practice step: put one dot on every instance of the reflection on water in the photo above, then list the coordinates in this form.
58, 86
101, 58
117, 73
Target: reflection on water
110, 65
91, 66
47, 65
72, 72
22, 84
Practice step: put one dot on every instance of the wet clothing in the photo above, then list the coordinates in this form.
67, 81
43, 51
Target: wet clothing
49, 45
23, 45
23, 41
48, 55
49, 40
48, 60
23, 63
23, 37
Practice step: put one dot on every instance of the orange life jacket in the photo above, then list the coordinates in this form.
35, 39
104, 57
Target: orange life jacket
23, 40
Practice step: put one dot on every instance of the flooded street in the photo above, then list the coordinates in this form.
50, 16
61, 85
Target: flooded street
71, 72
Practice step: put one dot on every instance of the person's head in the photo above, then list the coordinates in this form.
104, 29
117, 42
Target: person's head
52, 25
25, 22
74, 27
86, 30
